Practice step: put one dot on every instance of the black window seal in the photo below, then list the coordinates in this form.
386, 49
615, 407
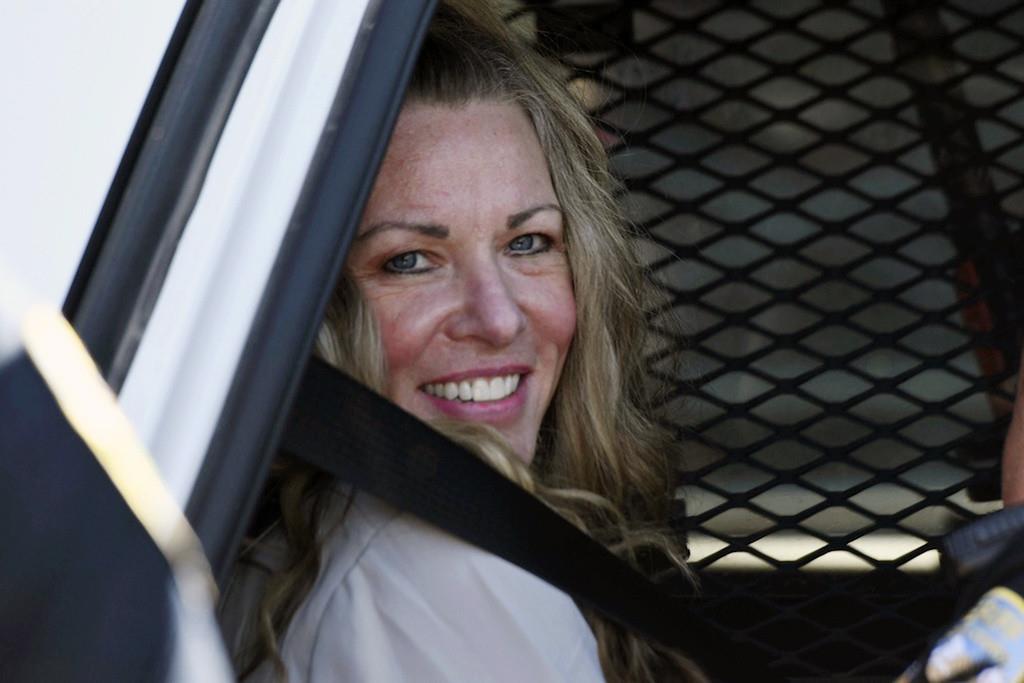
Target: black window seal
160, 176
130, 157
307, 267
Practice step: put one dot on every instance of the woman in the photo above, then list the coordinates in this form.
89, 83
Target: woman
491, 291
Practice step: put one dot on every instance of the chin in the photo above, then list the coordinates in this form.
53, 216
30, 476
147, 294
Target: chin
522, 446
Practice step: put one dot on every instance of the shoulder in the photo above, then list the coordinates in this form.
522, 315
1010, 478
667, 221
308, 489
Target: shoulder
399, 596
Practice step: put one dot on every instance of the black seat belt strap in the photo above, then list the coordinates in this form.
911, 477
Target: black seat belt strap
356, 435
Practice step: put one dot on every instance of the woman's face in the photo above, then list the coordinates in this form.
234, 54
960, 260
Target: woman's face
461, 257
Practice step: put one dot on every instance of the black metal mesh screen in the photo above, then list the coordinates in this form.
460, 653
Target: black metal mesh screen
830, 195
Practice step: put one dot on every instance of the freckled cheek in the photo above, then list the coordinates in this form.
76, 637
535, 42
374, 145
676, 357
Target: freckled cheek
407, 324
554, 315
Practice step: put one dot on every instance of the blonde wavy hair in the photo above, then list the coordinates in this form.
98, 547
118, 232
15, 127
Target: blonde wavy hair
601, 460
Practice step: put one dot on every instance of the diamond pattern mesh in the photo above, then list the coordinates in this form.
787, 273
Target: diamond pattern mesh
829, 197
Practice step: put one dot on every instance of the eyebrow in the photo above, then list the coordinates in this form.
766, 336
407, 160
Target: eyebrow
441, 232
517, 219
428, 229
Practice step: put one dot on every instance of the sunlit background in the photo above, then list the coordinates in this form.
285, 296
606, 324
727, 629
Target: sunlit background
73, 78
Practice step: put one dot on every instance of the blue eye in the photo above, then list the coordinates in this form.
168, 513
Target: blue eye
409, 262
529, 244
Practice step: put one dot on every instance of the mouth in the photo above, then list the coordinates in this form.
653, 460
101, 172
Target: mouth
475, 389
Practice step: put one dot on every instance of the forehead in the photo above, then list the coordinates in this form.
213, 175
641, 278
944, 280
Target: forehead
443, 157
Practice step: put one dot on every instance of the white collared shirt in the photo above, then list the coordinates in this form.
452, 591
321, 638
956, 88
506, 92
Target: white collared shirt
399, 600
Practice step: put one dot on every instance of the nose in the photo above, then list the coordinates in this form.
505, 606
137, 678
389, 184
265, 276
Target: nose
489, 310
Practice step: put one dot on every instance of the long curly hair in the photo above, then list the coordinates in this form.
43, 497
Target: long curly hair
602, 461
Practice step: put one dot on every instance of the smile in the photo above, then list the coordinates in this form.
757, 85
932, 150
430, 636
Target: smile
477, 390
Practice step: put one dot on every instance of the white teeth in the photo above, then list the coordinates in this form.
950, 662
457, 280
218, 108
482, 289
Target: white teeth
476, 390
481, 390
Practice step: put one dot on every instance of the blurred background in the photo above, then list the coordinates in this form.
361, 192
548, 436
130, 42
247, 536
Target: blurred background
73, 77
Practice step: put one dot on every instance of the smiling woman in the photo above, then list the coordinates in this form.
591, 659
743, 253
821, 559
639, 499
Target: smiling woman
492, 292
462, 262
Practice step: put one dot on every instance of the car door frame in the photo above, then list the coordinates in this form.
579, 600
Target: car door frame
123, 275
